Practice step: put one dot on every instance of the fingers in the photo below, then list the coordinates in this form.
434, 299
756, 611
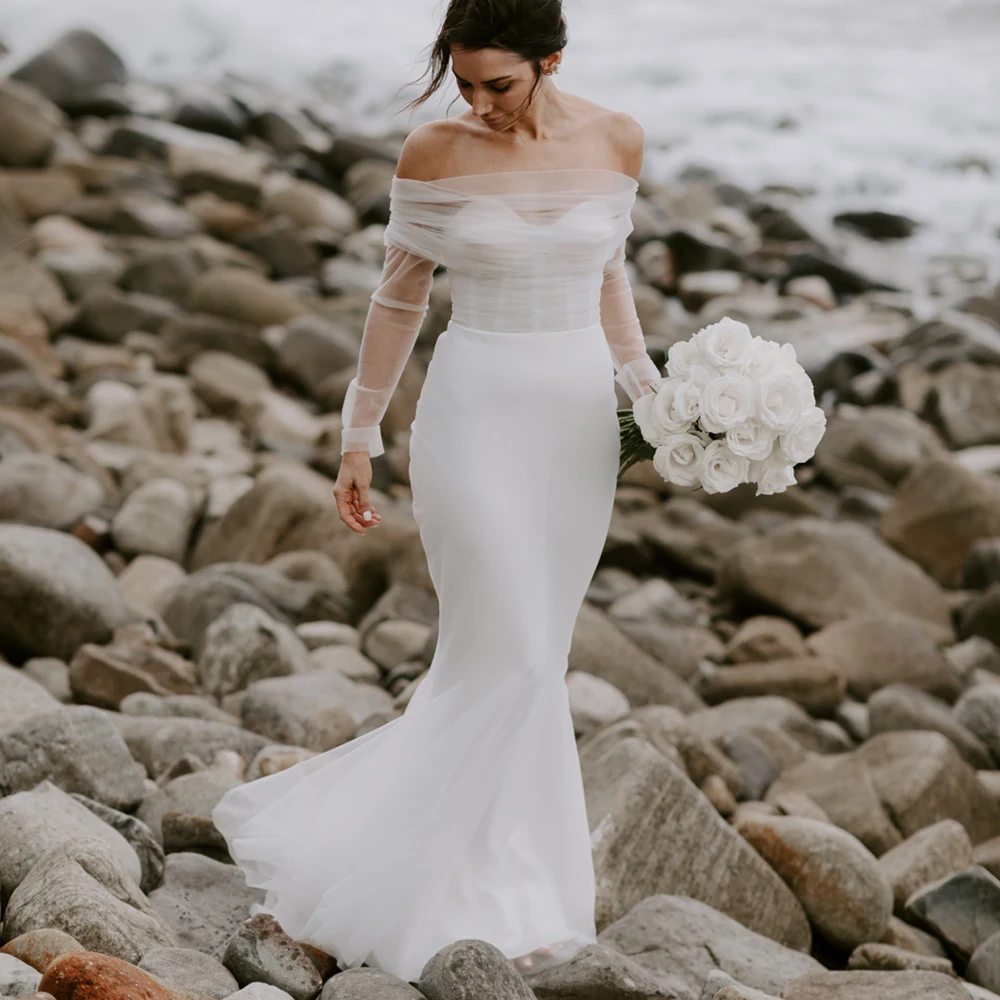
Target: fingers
353, 501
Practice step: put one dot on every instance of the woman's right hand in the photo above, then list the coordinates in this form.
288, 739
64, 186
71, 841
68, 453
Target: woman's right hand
354, 477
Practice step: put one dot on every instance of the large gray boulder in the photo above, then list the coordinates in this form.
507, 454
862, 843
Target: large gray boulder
652, 831
32, 822
680, 941
76, 748
818, 572
81, 888
55, 594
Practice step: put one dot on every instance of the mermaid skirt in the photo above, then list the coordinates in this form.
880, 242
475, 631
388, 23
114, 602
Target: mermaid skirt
464, 817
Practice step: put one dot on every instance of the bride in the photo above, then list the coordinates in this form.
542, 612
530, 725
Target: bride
464, 817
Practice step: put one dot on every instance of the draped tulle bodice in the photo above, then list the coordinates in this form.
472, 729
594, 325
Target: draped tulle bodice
525, 250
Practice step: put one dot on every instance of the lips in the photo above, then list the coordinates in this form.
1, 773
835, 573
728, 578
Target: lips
492, 121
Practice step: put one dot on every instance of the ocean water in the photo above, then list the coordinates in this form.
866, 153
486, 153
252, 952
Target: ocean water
859, 104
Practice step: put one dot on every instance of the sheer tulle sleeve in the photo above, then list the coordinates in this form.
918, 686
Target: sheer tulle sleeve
397, 310
634, 368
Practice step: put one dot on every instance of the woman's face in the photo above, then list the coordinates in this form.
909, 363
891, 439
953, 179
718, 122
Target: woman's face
495, 82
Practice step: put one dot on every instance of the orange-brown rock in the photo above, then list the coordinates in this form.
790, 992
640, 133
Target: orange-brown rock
89, 975
40, 948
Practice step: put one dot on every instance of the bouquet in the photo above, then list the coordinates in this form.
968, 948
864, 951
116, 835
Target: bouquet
734, 408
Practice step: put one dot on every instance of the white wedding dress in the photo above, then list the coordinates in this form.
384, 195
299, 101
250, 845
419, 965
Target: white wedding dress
464, 817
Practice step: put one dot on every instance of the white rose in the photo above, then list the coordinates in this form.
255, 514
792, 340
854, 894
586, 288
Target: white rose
727, 401
721, 470
773, 474
781, 399
799, 443
680, 358
751, 440
656, 415
724, 345
679, 460
758, 359
688, 397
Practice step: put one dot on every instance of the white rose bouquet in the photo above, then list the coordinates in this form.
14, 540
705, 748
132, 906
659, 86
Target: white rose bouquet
734, 408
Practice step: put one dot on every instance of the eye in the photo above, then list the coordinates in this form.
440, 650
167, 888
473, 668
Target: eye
503, 90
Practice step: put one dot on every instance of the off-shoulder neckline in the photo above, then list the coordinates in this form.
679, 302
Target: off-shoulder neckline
442, 181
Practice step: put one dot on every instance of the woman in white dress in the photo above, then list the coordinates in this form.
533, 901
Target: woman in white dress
465, 817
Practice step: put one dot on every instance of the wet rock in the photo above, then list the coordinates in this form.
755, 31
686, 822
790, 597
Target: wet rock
931, 854
82, 889
260, 951
681, 941
701, 856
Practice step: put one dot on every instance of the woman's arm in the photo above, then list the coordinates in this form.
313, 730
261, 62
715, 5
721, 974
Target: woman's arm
397, 310
634, 369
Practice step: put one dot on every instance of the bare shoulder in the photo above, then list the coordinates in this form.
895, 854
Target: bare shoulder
622, 133
628, 140
426, 150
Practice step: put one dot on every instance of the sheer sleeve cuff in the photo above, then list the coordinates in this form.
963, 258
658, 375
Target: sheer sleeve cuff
636, 377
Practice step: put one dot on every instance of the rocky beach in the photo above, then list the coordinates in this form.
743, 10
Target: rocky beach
787, 707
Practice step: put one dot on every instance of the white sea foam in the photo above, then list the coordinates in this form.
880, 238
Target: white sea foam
889, 104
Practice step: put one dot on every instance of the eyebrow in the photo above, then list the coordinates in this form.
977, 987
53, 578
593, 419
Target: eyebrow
498, 79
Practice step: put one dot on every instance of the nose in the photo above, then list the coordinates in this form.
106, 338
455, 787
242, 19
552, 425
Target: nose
481, 105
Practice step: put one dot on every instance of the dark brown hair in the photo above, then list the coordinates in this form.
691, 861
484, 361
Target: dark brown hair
533, 29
